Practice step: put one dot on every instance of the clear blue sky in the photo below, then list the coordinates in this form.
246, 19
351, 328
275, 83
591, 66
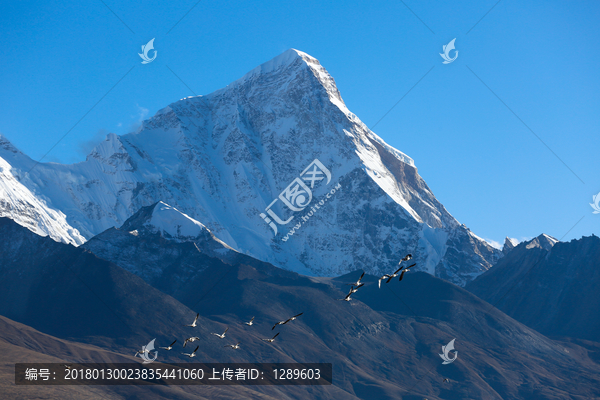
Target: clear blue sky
541, 58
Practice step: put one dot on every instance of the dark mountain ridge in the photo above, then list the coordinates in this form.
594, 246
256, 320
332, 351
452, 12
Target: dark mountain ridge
550, 287
383, 344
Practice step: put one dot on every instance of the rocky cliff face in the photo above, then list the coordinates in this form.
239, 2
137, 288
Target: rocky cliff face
277, 167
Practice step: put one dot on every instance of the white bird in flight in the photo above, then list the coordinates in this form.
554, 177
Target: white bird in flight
221, 336
250, 322
287, 320
407, 269
382, 278
233, 346
170, 346
192, 339
143, 351
192, 354
273, 339
357, 284
294, 317
347, 298
355, 289
193, 325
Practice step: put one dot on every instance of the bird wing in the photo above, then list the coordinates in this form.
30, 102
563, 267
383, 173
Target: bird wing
173, 343
363, 274
382, 278
194, 352
402, 275
196, 319
276, 335
226, 329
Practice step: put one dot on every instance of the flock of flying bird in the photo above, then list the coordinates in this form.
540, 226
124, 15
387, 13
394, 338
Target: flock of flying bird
358, 284
220, 336
353, 289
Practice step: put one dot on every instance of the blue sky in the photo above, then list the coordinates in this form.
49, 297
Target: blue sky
482, 160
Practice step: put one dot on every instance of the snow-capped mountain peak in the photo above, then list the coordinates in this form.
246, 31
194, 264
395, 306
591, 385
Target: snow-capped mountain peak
231, 156
509, 244
542, 241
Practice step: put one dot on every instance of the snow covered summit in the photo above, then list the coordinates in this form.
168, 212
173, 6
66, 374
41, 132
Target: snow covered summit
277, 167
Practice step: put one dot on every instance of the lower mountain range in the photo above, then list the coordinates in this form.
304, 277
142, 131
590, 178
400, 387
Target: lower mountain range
550, 286
148, 278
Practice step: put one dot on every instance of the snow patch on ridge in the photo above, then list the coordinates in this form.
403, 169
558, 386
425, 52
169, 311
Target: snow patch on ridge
167, 219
